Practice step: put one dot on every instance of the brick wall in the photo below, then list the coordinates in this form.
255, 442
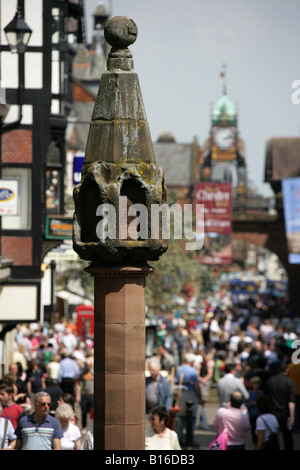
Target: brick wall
19, 249
17, 146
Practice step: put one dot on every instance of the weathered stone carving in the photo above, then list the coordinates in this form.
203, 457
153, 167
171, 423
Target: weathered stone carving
119, 164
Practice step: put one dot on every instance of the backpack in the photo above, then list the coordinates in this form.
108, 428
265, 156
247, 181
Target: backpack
272, 443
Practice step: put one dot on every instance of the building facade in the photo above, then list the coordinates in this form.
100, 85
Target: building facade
36, 93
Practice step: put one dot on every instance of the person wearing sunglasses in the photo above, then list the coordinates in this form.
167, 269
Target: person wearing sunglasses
160, 437
39, 430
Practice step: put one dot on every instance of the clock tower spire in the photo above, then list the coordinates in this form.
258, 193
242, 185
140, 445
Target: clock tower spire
223, 76
223, 156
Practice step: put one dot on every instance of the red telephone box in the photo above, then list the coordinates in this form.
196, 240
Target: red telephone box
85, 320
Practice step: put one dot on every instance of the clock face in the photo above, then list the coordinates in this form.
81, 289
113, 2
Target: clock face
224, 138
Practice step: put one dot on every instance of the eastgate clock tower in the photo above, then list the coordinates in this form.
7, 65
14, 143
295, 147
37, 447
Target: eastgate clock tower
223, 156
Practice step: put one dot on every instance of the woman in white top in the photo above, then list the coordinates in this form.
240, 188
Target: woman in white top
71, 439
53, 367
266, 423
160, 437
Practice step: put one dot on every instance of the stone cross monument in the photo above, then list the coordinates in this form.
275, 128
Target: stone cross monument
115, 230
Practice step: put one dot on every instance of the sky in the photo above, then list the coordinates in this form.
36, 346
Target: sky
181, 50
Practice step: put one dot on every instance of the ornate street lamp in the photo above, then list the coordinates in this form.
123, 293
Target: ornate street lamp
17, 31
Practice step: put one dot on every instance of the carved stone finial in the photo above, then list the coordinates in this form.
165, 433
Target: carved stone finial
119, 165
120, 32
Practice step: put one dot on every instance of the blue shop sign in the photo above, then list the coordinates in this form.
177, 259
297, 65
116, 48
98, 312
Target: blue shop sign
77, 166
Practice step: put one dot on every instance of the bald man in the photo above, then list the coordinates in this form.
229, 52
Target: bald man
236, 422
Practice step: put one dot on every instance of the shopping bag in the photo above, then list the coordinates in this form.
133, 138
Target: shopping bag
220, 443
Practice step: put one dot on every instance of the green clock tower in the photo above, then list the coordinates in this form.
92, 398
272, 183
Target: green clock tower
223, 156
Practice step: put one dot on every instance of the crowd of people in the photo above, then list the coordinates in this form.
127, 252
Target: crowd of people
47, 393
247, 350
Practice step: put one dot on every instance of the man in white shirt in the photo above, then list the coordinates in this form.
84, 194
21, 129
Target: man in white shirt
69, 340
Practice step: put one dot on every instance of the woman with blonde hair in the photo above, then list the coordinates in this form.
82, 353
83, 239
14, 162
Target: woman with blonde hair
19, 355
72, 435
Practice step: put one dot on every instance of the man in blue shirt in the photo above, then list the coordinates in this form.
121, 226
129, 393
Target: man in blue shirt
39, 430
68, 373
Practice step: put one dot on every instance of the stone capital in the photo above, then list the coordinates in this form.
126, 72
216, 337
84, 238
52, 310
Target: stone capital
119, 271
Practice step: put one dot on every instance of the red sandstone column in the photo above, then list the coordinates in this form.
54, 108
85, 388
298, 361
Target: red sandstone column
119, 414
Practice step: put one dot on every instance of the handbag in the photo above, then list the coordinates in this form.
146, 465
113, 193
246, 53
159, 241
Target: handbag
220, 443
272, 443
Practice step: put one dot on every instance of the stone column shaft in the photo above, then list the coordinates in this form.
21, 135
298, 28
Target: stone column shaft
119, 413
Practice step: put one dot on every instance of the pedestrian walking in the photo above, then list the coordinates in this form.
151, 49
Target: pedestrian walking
68, 373
158, 390
22, 397
254, 391
266, 424
55, 393
39, 430
236, 422
71, 439
160, 437
7, 434
190, 396
228, 384
293, 372
280, 389
10, 409
34, 379
85, 390
52, 367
